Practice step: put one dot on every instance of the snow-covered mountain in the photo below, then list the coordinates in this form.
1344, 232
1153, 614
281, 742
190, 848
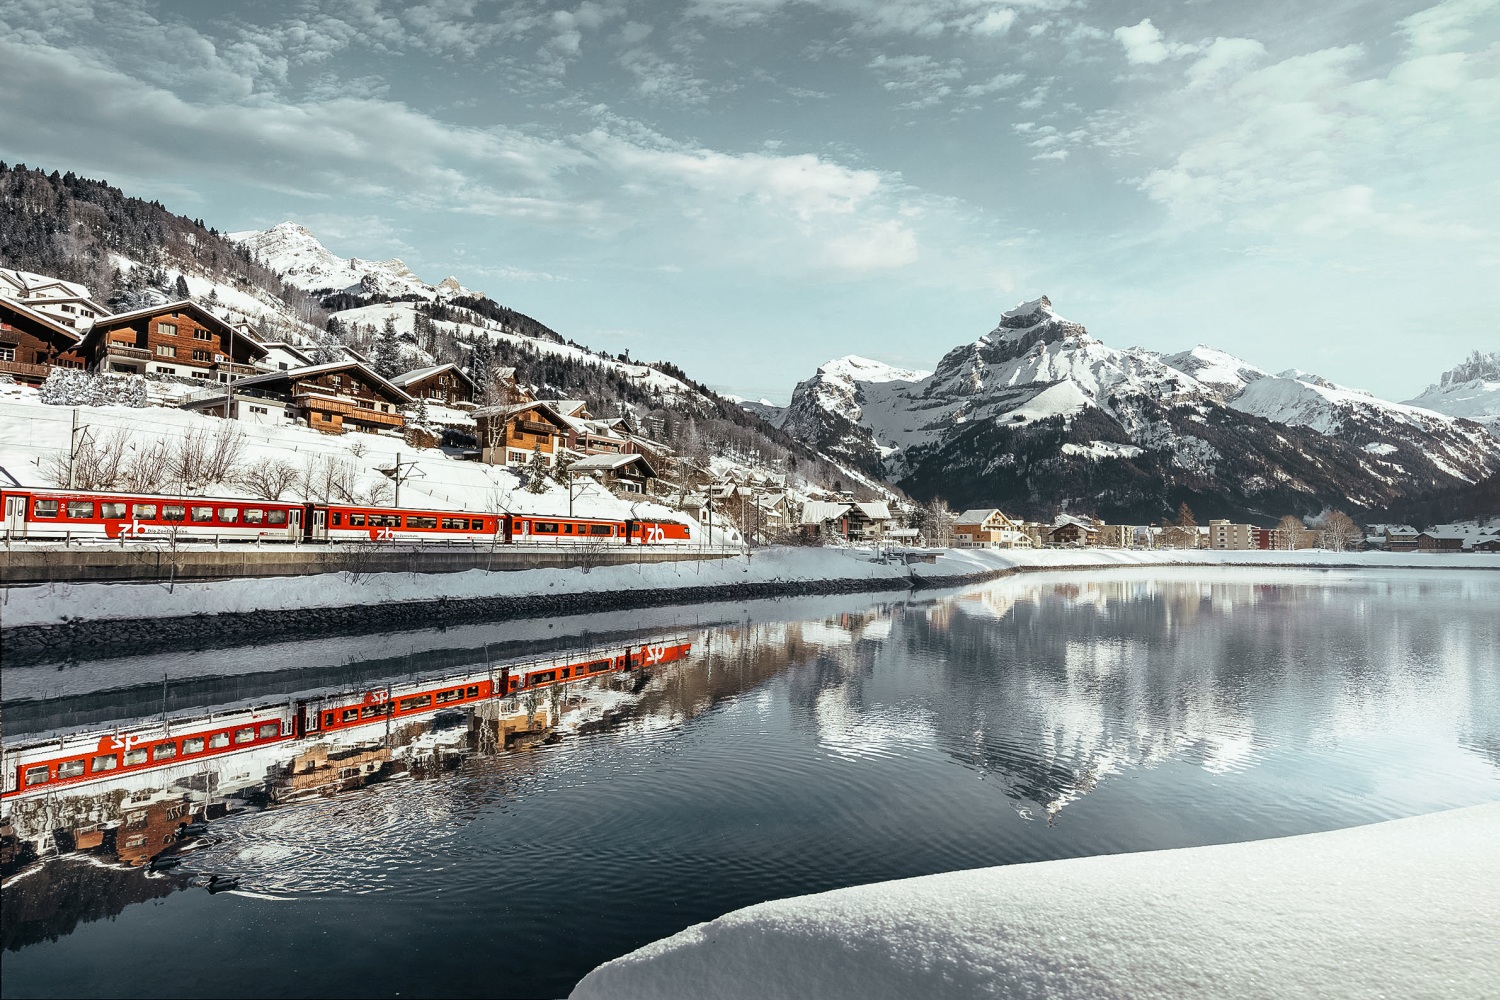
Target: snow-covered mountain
1471, 390
1038, 411
295, 253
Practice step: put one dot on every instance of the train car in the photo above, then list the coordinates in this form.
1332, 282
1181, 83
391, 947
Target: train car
343, 522
45, 514
48, 765
544, 530
639, 532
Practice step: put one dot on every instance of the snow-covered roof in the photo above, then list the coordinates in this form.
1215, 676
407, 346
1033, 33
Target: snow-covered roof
416, 375
818, 511
509, 409
1063, 520
611, 463
181, 305
313, 371
50, 322
875, 510
25, 284
977, 515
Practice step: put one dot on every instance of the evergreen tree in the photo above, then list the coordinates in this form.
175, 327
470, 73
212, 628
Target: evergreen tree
387, 355
536, 471
1185, 517
181, 289
482, 367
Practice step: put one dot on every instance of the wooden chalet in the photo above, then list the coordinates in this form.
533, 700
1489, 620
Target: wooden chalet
508, 434
63, 301
989, 528
618, 473
179, 338
823, 519
32, 344
333, 397
868, 520
444, 385
1072, 532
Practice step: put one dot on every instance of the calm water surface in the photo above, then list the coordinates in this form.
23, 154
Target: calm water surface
802, 747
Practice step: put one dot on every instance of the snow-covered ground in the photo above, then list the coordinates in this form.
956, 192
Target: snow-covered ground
1406, 908
52, 603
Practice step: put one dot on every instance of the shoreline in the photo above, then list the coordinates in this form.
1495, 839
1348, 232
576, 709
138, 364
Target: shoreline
50, 622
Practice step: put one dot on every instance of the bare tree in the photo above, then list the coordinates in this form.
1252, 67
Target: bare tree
1340, 533
202, 460
149, 467
95, 464
268, 478
1288, 530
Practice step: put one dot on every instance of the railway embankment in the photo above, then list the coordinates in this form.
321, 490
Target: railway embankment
56, 622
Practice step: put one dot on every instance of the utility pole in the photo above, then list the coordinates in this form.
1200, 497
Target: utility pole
398, 477
229, 379
72, 447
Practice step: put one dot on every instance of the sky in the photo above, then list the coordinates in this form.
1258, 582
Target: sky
748, 188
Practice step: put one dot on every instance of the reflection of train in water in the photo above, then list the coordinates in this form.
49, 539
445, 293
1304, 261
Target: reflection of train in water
46, 514
38, 767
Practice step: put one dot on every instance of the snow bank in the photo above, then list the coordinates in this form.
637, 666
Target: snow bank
1400, 909
47, 604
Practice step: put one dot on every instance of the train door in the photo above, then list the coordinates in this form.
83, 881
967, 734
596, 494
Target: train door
318, 530
294, 525
15, 515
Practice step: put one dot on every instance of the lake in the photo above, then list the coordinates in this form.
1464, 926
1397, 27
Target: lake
800, 746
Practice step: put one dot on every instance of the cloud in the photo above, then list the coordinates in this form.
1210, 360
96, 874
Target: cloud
1144, 44
1225, 57
994, 23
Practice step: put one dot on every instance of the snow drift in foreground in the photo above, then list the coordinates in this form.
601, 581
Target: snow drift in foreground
1406, 908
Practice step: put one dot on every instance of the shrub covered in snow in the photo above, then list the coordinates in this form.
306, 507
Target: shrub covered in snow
73, 387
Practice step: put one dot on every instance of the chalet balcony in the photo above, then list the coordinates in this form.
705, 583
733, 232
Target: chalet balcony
535, 427
237, 370
349, 410
130, 353
24, 369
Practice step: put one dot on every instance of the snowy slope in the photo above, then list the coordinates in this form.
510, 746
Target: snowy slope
1402, 908
1470, 390
1217, 370
304, 262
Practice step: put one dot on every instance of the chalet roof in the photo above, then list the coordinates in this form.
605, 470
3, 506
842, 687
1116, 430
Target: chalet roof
26, 283
416, 375
1063, 520
314, 371
875, 510
612, 463
567, 407
977, 515
1447, 531
296, 352
1400, 529
819, 511
49, 322
511, 409
116, 320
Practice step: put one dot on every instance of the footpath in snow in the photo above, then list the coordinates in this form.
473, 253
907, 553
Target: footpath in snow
1407, 908
49, 604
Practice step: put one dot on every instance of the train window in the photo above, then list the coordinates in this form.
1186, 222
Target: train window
420, 701
111, 510
36, 775
82, 509
70, 768
254, 515
193, 744
456, 524
472, 691
173, 512
338, 519
568, 529
164, 751
542, 678
133, 757
598, 665
143, 511
350, 714
546, 527
218, 741
229, 515
44, 508
276, 517
104, 762
270, 730
356, 520
327, 718
375, 711
421, 522
385, 520
202, 513
565, 671
601, 529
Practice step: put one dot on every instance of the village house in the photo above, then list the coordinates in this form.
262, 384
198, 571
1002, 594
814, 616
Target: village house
1223, 536
443, 385
825, 520
1400, 538
179, 338
508, 435
63, 301
1072, 532
284, 357
1444, 538
868, 520
333, 398
619, 474
32, 344
988, 528
587, 436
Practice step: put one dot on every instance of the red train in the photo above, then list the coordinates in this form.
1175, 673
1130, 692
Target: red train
47, 514
37, 767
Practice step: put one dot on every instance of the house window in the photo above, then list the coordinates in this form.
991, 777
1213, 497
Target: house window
202, 335
335, 380
164, 370
200, 355
207, 375
7, 353
166, 351
167, 329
